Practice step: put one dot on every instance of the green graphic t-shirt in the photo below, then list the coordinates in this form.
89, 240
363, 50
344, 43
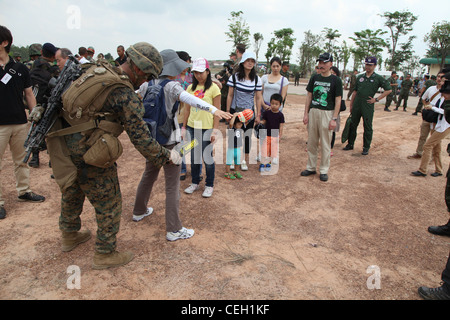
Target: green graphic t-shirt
324, 91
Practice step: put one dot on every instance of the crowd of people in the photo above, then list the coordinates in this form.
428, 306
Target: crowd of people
195, 103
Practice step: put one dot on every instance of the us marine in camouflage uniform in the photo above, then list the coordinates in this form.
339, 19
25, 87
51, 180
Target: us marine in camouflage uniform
101, 186
34, 53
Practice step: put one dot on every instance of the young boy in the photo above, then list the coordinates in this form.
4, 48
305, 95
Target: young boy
273, 121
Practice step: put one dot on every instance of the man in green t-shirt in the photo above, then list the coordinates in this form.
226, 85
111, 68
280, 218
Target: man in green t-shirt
362, 103
322, 107
404, 93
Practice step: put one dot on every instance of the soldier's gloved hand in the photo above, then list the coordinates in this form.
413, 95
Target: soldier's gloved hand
175, 157
36, 114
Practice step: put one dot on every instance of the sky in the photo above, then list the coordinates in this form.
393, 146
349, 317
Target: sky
199, 26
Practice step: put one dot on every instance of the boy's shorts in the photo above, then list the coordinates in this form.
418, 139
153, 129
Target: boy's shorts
234, 156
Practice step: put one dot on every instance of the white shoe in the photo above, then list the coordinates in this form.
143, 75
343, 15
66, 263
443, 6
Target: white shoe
192, 188
179, 235
208, 192
139, 218
244, 166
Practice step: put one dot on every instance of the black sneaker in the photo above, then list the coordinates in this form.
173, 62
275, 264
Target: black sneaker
348, 147
434, 293
440, 230
307, 173
2, 213
31, 197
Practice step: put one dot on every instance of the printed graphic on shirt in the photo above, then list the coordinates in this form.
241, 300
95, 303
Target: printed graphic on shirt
199, 94
320, 93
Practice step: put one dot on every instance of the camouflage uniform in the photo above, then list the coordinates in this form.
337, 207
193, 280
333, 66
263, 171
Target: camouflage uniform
34, 51
404, 94
101, 186
393, 95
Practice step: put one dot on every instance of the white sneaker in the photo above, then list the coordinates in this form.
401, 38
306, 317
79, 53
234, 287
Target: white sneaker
179, 235
244, 166
208, 192
139, 218
192, 188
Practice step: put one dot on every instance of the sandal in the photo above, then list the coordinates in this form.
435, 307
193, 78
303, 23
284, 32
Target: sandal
238, 175
230, 176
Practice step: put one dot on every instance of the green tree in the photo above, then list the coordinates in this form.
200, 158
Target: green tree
330, 35
438, 41
399, 24
309, 51
258, 37
239, 31
344, 55
368, 43
281, 45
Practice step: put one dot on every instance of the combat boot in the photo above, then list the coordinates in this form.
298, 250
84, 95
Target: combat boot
70, 240
34, 162
111, 260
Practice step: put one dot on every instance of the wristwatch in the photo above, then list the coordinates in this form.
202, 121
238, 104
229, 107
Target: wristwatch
376, 99
334, 119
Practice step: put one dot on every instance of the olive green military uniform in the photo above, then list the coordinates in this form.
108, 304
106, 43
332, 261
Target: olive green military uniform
352, 86
428, 83
365, 89
404, 94
393, 95
101, 186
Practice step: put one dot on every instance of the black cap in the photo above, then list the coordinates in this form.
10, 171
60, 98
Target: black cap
49, 48
325, 57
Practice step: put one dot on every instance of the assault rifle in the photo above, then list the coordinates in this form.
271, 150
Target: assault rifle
39, 130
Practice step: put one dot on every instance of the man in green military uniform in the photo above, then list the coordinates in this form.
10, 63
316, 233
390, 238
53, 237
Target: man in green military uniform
362, 103
404, 93
393, 95
428, 83
101, 185
352, 84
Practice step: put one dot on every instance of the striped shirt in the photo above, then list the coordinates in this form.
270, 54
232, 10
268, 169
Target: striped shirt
244, 92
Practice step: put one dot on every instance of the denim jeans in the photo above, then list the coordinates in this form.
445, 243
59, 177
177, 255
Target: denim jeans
203, 153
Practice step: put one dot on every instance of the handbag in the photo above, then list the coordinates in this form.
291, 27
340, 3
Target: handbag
346, 131
430, 115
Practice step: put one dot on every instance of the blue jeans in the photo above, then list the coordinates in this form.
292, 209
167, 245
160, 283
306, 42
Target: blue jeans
202, 153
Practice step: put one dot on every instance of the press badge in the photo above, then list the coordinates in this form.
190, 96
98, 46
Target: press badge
6, 78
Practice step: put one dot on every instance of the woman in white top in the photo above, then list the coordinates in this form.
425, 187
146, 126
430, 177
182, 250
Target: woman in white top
274, 83
245, 89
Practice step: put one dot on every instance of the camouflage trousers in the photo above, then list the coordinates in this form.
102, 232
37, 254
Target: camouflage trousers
101, 188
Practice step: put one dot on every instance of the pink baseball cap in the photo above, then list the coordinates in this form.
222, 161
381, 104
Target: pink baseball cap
200, 65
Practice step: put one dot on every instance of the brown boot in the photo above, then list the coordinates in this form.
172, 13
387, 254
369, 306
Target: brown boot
70, 240
111, 260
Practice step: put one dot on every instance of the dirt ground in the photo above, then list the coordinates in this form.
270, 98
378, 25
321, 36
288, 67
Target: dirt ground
276, 237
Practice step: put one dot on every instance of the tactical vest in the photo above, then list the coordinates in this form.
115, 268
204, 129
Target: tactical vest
82, 109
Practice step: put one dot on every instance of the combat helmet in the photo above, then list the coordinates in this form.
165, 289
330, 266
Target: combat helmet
35, 49
146, 57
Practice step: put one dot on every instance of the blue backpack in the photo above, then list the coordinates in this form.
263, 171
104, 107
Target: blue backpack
160, 124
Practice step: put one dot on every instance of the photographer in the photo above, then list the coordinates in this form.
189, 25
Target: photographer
223, 77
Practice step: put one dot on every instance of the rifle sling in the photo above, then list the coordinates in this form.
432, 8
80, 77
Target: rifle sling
75, 129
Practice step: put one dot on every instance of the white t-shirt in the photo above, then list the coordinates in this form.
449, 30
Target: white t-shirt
441, 124
271, 88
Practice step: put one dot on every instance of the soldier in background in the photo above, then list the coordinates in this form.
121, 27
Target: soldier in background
393, 95
34, 53
404, 93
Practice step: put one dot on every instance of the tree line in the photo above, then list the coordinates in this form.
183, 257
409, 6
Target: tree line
396, 39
